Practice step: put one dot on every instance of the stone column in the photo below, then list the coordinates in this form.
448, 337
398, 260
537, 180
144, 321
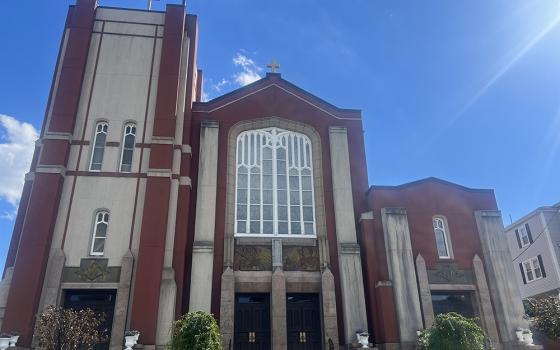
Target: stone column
4, 289
53, 277
487, 316
350, 264
203, 246
500, 271
121, 302
278, 310
227, 308
425, 293
401, 272
328, 296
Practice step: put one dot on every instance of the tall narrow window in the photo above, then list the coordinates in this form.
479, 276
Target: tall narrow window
442, 238
128, 147
99, 233
100, 138
274, 184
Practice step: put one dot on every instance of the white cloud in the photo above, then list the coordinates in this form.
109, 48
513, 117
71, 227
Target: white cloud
219, 86
249, 70
17, 143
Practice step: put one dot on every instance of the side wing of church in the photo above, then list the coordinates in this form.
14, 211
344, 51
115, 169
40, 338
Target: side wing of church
144, 203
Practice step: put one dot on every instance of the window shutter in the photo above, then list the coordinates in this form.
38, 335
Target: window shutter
541, 265
529, 233
522, 273
518, 238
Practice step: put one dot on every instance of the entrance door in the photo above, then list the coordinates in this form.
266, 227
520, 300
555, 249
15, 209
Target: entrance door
252, 322
304, 322
100, 301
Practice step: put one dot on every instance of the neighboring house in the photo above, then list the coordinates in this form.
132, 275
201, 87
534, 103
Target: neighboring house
534, 244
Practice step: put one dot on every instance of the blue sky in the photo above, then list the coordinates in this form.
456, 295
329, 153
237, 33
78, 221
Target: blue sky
468, 91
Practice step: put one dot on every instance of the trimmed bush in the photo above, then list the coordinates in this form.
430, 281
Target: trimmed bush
452, 331
195, 331
545, 316
68, 329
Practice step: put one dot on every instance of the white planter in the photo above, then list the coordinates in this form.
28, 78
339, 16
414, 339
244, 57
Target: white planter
519, 335
4, 343
13, 340
528, 338
363, 339
129, 341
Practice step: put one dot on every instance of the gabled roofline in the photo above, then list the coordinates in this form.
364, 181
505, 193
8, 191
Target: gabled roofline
429, 180
270, 80
551, 208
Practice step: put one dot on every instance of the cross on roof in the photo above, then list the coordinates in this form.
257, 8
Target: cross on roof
273, 66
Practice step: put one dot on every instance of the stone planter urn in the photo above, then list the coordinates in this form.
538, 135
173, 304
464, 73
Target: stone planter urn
5, 341
130, 339
363, 339
519, 334
14, 336
527, 337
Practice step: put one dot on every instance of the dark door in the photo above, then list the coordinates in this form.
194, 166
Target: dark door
252, 322
304, 322
100, 301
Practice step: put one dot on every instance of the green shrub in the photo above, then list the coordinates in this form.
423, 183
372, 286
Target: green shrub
545, 316
452, 331
195, 331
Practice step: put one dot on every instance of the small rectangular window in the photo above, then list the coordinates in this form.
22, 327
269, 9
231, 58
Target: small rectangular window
533, 269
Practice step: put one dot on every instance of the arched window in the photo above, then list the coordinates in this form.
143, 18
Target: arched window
274, 183
442, 237
99, 140
128, 147
99, 233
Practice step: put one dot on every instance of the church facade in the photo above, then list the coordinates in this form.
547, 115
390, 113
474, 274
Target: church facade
144, 202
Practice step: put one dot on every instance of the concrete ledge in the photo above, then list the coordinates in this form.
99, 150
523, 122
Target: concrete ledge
395, 211
209, 124
51, 169
186, 149
159, 173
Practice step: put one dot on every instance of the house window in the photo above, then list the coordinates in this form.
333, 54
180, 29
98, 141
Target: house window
99, 233
274, 183
442, 237
98, 146
532, 269
524, 236
128, 147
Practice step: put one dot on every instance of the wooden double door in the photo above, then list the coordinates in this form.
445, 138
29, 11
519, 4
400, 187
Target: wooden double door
102, 302
303, 321
253, 315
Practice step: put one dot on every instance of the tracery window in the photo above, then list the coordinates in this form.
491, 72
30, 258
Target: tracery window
274, 183
442, 238
128, 147
100, 138
99, 233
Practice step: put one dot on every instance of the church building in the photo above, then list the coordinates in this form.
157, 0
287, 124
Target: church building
145, 202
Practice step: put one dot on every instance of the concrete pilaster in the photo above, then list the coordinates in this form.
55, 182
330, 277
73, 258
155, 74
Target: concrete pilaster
425, 293
328, 296
401, 272
53, 279
203, 260
350, 265
121, 302
227, 308
166, 309
4, 289
487, 316
501, 279
278, 310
